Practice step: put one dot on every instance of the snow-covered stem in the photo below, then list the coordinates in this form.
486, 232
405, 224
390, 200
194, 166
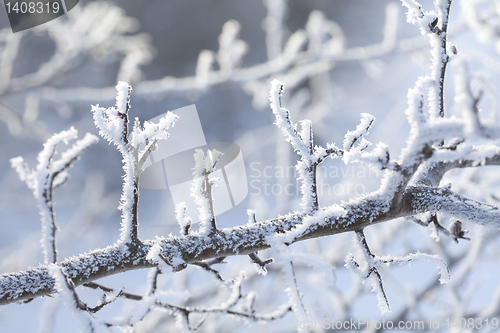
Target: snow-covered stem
390, 202
202, 188
152, 280
183, 220
435, 25
46, 177
66, 289
409, 186
113, 125
302, 143
244, 240
368, 268
294, 292
224, 308
207, 266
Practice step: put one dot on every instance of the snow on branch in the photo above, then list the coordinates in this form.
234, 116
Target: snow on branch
113, 125
183, 220
373, 208
436, 144
362, 129
435, 25
230, 307
369, 264
355, 145
202, 188
302, 143
367, 268
66, 289
47, 176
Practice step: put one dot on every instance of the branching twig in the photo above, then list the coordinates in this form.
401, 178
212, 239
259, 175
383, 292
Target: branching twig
47, 176
113, 125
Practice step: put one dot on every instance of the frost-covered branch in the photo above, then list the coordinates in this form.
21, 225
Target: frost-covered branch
438, 142
435, 25
301, 142
228, 307
370, 263
368, 269
66, 289
242, 240
202, 188
47, 176
113, 125
454, 231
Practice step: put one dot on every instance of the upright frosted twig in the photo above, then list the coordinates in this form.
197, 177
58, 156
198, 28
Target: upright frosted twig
435, 25
113, 126
302, 143
202, 188
49, 175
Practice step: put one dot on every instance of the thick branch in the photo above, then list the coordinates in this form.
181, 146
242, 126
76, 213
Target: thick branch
431, 173
243, 240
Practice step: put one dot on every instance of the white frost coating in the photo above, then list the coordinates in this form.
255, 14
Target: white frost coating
152, 131
113, 126
441, 265
294, 294
74, 152
433, 231
307, 187
379, 157
416, 102
361, 130
302, 143
318, 219
414, 14
280, 252
259, 269
306, 133
469, 152
376, 284
202, 187
368, 266
154, 255
251, 216
183, 220
442, 8
283, 121
62, 283
434, 25
122, 97
66, 290
235, 294
47, 176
